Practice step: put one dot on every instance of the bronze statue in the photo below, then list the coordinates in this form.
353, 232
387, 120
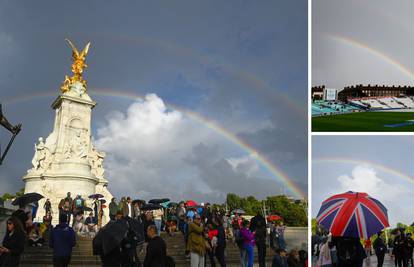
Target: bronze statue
77, 67
13, 129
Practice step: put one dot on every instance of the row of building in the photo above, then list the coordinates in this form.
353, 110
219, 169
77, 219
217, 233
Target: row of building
360, 91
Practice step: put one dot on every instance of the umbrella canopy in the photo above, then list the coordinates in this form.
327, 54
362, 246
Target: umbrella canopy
151, 206
239, 211
96, 196
353, 214
110, 236
165, 204
27, 199
103, 201
191, 203
274, 218
137, 227
159, 200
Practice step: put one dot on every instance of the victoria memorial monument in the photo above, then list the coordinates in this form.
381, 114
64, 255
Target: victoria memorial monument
67, 160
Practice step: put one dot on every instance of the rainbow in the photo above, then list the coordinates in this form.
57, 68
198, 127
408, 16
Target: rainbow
387, 58
254, 82
262, 160
378, 166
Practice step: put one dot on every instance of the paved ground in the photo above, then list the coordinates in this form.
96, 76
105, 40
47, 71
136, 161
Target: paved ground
388, 262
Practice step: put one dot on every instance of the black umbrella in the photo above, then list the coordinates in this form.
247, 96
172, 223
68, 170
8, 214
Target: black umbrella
151, 206
159, 200
96, 196
103, 201
27, 198
137, 227
109, 237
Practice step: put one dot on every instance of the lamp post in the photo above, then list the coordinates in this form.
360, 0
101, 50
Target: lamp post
13, 129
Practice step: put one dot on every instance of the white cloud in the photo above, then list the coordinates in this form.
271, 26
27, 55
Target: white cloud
146, 147
365, 179
392, 195
154, 152
245, 164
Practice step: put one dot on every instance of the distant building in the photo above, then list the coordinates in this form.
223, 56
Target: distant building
360, 91
323, 93
317, 92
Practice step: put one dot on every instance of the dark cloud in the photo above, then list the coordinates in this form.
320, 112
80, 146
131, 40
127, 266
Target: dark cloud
229, 62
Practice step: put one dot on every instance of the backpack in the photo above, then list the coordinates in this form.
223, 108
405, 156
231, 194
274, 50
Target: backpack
78, 203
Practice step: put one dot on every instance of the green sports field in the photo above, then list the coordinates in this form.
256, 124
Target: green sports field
363, 122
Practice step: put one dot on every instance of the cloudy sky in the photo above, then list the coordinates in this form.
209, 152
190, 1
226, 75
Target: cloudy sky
368, 42
378, 165
209, 76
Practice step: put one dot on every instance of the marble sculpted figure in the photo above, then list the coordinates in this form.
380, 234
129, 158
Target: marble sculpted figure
41, 157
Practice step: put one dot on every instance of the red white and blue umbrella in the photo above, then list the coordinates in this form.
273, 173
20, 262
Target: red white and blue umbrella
353, 214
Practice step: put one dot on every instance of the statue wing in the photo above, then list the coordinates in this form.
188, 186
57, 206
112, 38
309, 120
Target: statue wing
85, 50
74, 50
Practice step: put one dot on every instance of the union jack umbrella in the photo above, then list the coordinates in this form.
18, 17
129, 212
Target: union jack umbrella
353, 214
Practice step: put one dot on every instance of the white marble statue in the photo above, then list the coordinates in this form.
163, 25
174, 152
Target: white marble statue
96, 160
41, 158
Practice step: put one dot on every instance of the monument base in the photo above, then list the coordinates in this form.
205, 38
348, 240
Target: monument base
55, 188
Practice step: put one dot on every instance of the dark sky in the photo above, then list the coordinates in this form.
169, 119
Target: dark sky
239, 64
368, 42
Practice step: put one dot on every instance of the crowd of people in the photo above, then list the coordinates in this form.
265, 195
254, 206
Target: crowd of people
206, 232
346, 251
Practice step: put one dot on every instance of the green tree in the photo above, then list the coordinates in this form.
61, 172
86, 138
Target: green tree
8, 196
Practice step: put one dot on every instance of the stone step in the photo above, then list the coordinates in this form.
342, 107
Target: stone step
82, 254
87, 262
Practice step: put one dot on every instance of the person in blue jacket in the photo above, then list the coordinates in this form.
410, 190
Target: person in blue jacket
62, 240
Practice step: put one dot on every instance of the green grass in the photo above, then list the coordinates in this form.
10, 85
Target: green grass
363, 122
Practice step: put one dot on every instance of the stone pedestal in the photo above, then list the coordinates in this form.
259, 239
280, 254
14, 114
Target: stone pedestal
67, 161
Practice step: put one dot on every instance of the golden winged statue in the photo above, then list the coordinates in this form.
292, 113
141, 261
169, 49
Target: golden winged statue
77, 67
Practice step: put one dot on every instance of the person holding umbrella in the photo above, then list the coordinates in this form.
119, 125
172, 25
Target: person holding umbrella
116, 243
346, 216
